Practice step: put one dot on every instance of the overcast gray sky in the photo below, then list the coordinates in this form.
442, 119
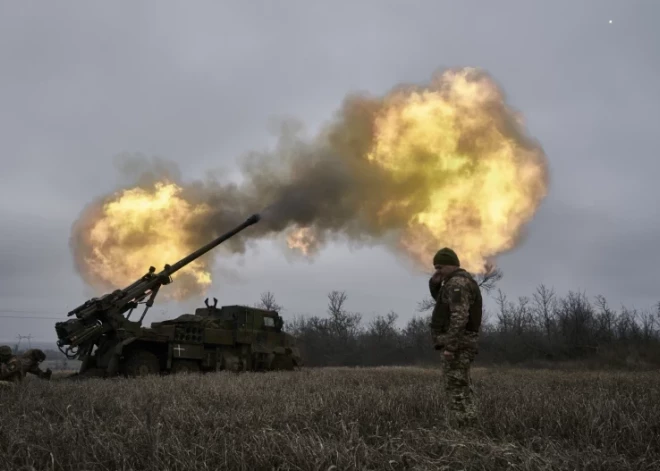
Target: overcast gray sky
200, 82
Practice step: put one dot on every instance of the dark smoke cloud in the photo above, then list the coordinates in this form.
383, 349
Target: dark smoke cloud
324, 183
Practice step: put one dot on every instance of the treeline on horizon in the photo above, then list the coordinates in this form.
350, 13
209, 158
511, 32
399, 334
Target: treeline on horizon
540, 329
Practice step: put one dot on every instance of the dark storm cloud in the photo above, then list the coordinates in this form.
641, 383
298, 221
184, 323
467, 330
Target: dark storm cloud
82, 83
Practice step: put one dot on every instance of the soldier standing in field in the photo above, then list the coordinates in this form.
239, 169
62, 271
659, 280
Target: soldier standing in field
455, 323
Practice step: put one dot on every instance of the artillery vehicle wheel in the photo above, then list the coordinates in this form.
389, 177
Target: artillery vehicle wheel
185, 366
141, 363
282, 362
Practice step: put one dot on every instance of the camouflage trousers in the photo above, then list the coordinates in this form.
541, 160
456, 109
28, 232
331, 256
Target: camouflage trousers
459, 390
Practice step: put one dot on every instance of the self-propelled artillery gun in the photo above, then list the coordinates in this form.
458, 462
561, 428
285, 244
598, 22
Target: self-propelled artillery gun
238, 338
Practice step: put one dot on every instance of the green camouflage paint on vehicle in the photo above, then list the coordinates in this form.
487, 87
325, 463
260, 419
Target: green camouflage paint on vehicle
237, 338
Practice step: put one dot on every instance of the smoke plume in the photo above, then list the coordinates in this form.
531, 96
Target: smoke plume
448, 163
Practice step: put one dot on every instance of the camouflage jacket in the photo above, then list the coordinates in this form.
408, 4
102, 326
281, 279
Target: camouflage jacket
11, 370
460, 293
29, 365
16, 368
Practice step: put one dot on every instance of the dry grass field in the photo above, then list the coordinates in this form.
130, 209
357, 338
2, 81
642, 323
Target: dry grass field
333, 418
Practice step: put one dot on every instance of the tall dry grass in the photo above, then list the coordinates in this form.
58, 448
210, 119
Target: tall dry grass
335, 418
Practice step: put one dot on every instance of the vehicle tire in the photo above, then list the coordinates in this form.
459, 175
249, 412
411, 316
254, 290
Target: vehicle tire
185, 366
141, 363
282, 362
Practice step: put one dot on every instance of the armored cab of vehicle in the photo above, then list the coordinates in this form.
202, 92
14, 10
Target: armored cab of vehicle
235, 338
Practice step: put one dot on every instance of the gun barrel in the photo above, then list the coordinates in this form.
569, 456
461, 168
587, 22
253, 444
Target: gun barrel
214, 243
120, 299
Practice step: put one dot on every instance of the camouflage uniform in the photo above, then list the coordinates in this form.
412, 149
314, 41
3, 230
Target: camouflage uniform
15, 368
30, 361
456, 320
10, 366
5, 353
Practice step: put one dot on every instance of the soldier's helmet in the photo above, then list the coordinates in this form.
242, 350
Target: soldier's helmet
35, 354
5, 352
446, 256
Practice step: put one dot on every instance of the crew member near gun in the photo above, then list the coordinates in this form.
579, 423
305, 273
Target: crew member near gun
455, 323
15, 367
10, 365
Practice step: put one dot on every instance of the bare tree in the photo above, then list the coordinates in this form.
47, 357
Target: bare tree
504, 317
576, 321
606, 320
342, 322
544, 306
522, 316
648, 321
384, 327
488, 280
267, 301
336, 300
426, 305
